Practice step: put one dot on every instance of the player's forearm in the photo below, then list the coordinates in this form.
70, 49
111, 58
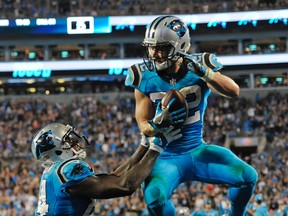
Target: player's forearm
138, 173
135, 158
147, 129
143, 113
224, 85
132, 179
142, 118
129, 182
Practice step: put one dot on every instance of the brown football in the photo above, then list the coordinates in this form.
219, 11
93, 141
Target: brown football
179, 103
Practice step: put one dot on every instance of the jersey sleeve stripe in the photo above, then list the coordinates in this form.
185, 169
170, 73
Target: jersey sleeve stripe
207, 61
59, 171
137, 75
154, 25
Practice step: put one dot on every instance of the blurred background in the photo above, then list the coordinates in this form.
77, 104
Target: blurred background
66, 61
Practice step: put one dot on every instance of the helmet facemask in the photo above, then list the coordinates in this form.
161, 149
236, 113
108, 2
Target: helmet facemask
76, 143
164, 58
58, 142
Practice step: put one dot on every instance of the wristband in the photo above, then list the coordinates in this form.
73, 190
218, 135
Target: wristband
144, 141
152, 126
156, 148
209, 75
155, 144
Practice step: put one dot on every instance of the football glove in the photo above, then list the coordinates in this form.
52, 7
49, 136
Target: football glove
164, 137
204, 65
164, 116
144, 140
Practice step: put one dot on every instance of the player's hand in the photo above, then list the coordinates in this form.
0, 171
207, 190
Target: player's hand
204, 65
144, 140
164, 137
165, 116
209, 60
193, 64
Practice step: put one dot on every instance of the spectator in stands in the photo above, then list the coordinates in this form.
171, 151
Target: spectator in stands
259, 207
52, 8
19, 117
206, 210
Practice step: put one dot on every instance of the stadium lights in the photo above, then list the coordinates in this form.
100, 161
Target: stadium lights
211, 19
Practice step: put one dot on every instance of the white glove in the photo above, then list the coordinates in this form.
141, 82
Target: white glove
163, 138
164, 115
144, 140
204, 64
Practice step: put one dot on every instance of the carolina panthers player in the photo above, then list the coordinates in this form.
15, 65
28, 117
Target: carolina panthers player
69, 186
167, 65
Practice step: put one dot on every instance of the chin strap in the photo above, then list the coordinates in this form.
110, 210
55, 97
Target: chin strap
47, 164
79, 154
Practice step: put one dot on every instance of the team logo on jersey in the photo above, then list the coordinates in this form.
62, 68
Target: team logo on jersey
45, 143
178, 27
77, 169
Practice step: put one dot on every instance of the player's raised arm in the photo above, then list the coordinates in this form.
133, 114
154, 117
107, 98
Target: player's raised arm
135, 158
208, 68
69, 179
104, 186
224, 85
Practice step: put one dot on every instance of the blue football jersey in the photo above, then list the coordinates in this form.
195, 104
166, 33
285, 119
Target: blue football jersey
190, 85
53, 196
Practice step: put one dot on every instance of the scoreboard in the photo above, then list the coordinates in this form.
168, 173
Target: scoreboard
110, 24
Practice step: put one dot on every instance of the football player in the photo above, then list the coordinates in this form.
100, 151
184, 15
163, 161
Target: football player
167, 65
69, 186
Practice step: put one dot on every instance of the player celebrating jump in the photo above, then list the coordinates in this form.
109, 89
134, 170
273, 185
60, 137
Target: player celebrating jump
167, 66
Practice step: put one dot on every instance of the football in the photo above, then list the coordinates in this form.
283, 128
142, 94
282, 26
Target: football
179, 103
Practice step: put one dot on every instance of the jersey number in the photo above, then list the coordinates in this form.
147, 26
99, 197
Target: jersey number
193, 96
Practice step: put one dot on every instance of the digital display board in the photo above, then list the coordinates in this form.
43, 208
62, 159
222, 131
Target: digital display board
104, 25
69, 25
46, 69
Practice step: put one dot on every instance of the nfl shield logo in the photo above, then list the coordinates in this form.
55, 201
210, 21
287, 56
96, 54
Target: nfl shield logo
172, 82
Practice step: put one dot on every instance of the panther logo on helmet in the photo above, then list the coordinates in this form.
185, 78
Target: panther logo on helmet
46, 143
178, 27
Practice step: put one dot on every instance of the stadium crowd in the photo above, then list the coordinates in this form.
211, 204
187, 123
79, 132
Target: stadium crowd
114, 135
53, 8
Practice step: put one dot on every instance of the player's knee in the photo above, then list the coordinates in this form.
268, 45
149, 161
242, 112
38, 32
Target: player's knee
249, 176
154, 196
253, 175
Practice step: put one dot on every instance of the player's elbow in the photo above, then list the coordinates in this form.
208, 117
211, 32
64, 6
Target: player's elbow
133, 187
235, 91
130, 191
232, 90
129, 187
